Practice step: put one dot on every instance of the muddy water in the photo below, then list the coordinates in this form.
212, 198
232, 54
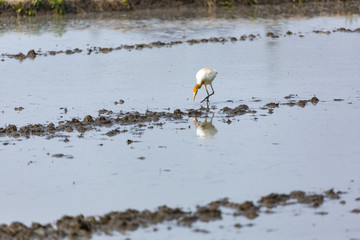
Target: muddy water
187, 161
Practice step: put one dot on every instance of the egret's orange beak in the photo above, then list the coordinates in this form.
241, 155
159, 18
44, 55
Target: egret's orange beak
195, 90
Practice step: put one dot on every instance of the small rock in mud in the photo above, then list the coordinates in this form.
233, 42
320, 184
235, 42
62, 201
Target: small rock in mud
323, 32
333, 195
31, 54
338, 99
272, 35
88, 119
113, 133
290, 104
18, 109
357, 211
10, 128
60, 155
197, 230
301, 103
290, 96
69, 129
322, 213
272, 105
314, 100
105, 111
238, 225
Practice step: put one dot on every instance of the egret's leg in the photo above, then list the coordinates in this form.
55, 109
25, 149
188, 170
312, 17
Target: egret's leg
212, 90
208, 95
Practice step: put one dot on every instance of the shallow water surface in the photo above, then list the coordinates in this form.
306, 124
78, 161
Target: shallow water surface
189, 161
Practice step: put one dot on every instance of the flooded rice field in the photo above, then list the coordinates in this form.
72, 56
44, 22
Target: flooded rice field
97, 117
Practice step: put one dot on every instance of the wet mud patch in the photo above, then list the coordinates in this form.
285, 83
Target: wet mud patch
136, 123
81, 227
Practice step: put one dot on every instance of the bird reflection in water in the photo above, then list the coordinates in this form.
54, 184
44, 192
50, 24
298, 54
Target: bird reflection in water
205, 129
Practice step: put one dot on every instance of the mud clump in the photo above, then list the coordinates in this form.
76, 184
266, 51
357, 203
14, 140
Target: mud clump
18, 109
247, 209
206, 214
60, 155
357, 211
115, 132
10, 129
314, 100
332, 194
272, 105
322, 32
272, 35
88, 120
31, 54
105, 50
272, 200
357, 30
301, 103
314, 200
237, 111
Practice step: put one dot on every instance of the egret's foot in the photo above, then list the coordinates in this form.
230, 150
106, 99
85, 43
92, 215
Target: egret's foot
206, 98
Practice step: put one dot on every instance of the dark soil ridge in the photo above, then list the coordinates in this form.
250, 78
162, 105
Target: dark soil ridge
108, 118
32, 54
30, 7
137, 122
81, 227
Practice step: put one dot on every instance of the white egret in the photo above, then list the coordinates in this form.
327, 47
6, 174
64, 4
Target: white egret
204, 76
